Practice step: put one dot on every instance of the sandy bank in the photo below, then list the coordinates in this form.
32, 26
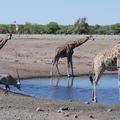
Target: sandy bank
32, 54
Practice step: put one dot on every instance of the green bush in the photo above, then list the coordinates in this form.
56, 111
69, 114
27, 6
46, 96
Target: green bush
79, 27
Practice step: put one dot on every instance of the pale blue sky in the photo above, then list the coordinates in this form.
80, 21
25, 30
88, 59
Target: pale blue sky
62, 11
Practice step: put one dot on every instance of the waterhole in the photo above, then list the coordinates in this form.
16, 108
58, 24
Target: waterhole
77, 89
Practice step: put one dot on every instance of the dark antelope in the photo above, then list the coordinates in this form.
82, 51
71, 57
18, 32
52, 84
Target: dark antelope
7, 80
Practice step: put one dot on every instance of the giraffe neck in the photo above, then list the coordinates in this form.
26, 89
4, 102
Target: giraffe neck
3, 42
77, 43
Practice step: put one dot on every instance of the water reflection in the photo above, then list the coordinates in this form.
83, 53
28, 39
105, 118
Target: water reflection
75, 89
56, 81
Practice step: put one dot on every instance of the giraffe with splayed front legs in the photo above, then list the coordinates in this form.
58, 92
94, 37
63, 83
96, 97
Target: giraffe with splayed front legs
67, 51
3, 41
110, 61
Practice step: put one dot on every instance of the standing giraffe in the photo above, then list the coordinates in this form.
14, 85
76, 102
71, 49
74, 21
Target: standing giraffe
3, 41
16, 27
66, 50
110, 61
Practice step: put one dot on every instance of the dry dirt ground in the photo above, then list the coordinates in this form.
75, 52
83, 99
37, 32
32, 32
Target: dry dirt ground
32, 56
19, 107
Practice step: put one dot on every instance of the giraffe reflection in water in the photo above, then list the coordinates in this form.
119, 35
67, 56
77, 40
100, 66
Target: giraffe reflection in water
56, 81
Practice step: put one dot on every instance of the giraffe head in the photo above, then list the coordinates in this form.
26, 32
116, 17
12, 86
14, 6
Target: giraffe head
90, 37
9, 36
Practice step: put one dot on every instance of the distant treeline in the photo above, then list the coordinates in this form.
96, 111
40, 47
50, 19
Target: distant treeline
79, 27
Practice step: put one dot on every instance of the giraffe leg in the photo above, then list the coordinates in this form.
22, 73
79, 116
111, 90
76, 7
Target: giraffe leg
68, 66
94, 92
55, 62
92, 82
71, 64
57, 68
119, 81
98, 74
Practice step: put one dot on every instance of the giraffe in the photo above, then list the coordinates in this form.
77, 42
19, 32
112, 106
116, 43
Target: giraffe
66, 50
3, 41
108, 60
16, 27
